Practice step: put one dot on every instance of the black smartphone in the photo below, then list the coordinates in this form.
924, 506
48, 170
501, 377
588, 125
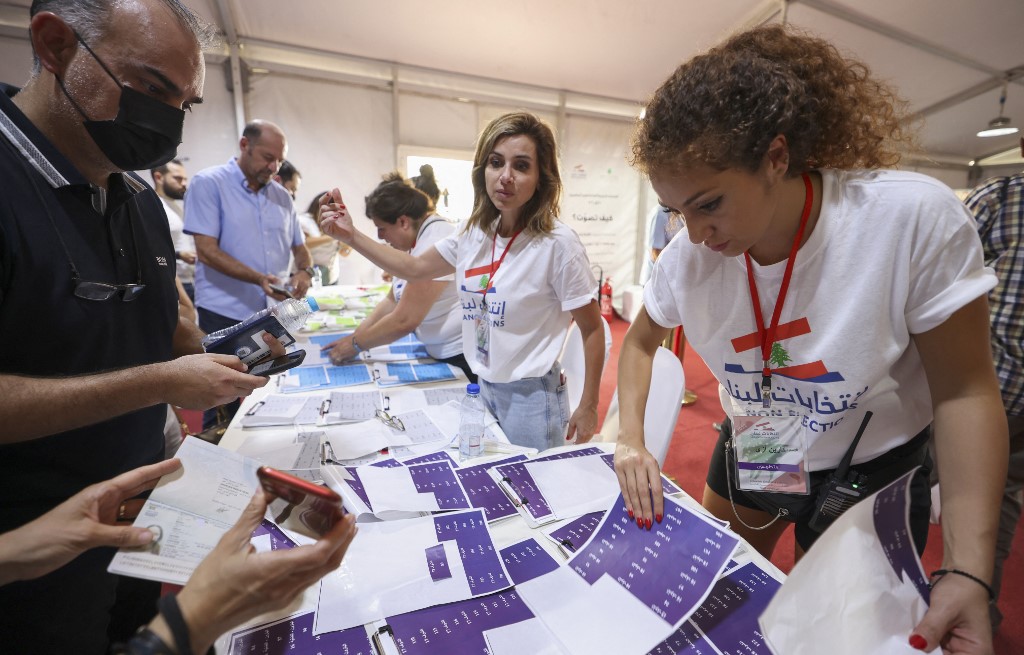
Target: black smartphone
280, 290
278, 364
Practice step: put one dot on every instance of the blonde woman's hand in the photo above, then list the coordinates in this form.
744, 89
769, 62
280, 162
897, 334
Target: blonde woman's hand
335, 220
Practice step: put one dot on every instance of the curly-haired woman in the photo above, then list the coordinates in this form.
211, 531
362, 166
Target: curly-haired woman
818, 286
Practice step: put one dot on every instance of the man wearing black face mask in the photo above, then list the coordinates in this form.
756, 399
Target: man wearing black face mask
88, 306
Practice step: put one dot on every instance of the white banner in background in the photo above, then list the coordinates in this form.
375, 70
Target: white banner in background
601, 195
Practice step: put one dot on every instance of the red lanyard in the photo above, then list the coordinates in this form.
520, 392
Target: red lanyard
768, 336
494, 268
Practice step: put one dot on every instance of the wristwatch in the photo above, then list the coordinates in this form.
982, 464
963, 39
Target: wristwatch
308, 271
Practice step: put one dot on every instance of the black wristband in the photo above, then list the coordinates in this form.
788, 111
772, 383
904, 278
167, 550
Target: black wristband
143, 642
937, 575
176, 622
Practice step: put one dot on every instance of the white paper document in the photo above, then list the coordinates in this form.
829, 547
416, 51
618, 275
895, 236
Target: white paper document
189, 511
861, 589
576, 485
427, 487
396, 567
278, 409
286, 450
350, 406
414, 428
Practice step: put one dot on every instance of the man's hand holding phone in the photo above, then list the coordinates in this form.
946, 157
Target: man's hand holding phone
301, 506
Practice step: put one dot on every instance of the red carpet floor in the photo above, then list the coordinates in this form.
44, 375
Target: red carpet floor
687, 463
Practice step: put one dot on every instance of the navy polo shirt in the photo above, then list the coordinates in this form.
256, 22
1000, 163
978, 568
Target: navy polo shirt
49, 332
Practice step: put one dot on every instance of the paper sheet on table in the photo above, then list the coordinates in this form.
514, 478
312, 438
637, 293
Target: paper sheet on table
396, 352
404, 399
286, 450
651, 581
528, 636
279, 409
861, 589
355, 439
422, 487
351, 406
388, 569
575, 485
190, 509
314, 378
394, 374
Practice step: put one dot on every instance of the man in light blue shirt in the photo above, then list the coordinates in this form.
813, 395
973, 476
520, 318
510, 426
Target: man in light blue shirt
245, 228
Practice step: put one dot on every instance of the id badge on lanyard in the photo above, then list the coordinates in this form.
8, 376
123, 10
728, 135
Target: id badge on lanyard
482, 320
770, 454
483, 333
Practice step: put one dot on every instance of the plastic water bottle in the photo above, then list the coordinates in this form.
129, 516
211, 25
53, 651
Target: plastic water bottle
471, 424
245, 339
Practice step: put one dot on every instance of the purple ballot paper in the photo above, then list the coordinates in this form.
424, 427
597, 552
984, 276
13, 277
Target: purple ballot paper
483, 491
431, 457
687, 640
575, 533
728, 617
485, 572
437, 562
438, 478
527, 560
892, 523
278, 539
519, 481
457, 628
295, 636
636, 559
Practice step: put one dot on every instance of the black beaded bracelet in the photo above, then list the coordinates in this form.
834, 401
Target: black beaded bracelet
176, 622
941, 572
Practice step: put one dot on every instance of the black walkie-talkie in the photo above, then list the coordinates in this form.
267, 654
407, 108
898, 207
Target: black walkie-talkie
843, 489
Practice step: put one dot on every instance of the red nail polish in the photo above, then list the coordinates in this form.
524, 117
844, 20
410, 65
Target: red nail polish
639, 523
630, 513
658, 518
648, 522
918, 642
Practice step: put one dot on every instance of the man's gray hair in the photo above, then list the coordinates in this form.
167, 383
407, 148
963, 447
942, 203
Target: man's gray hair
91, 18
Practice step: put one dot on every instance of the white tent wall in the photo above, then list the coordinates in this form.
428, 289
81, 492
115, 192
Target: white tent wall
353, 86
210, 137
15, 60
339, 135
436, 122
601, 197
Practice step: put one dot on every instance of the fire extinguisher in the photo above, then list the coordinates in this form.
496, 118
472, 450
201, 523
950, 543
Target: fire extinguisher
606, 299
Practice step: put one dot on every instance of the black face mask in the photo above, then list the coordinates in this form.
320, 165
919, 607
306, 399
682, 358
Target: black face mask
145, 133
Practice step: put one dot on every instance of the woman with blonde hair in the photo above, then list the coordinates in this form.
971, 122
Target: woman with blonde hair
521, 276
820, 289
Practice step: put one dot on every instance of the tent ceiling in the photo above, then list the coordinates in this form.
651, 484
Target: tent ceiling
946, 58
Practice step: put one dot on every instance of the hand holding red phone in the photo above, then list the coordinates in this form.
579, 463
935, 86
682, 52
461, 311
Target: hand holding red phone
303, 507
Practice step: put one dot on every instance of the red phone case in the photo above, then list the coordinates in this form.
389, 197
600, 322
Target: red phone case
315, 507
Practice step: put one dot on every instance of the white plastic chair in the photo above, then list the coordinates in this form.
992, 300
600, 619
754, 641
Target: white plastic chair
663, 404
574, 363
